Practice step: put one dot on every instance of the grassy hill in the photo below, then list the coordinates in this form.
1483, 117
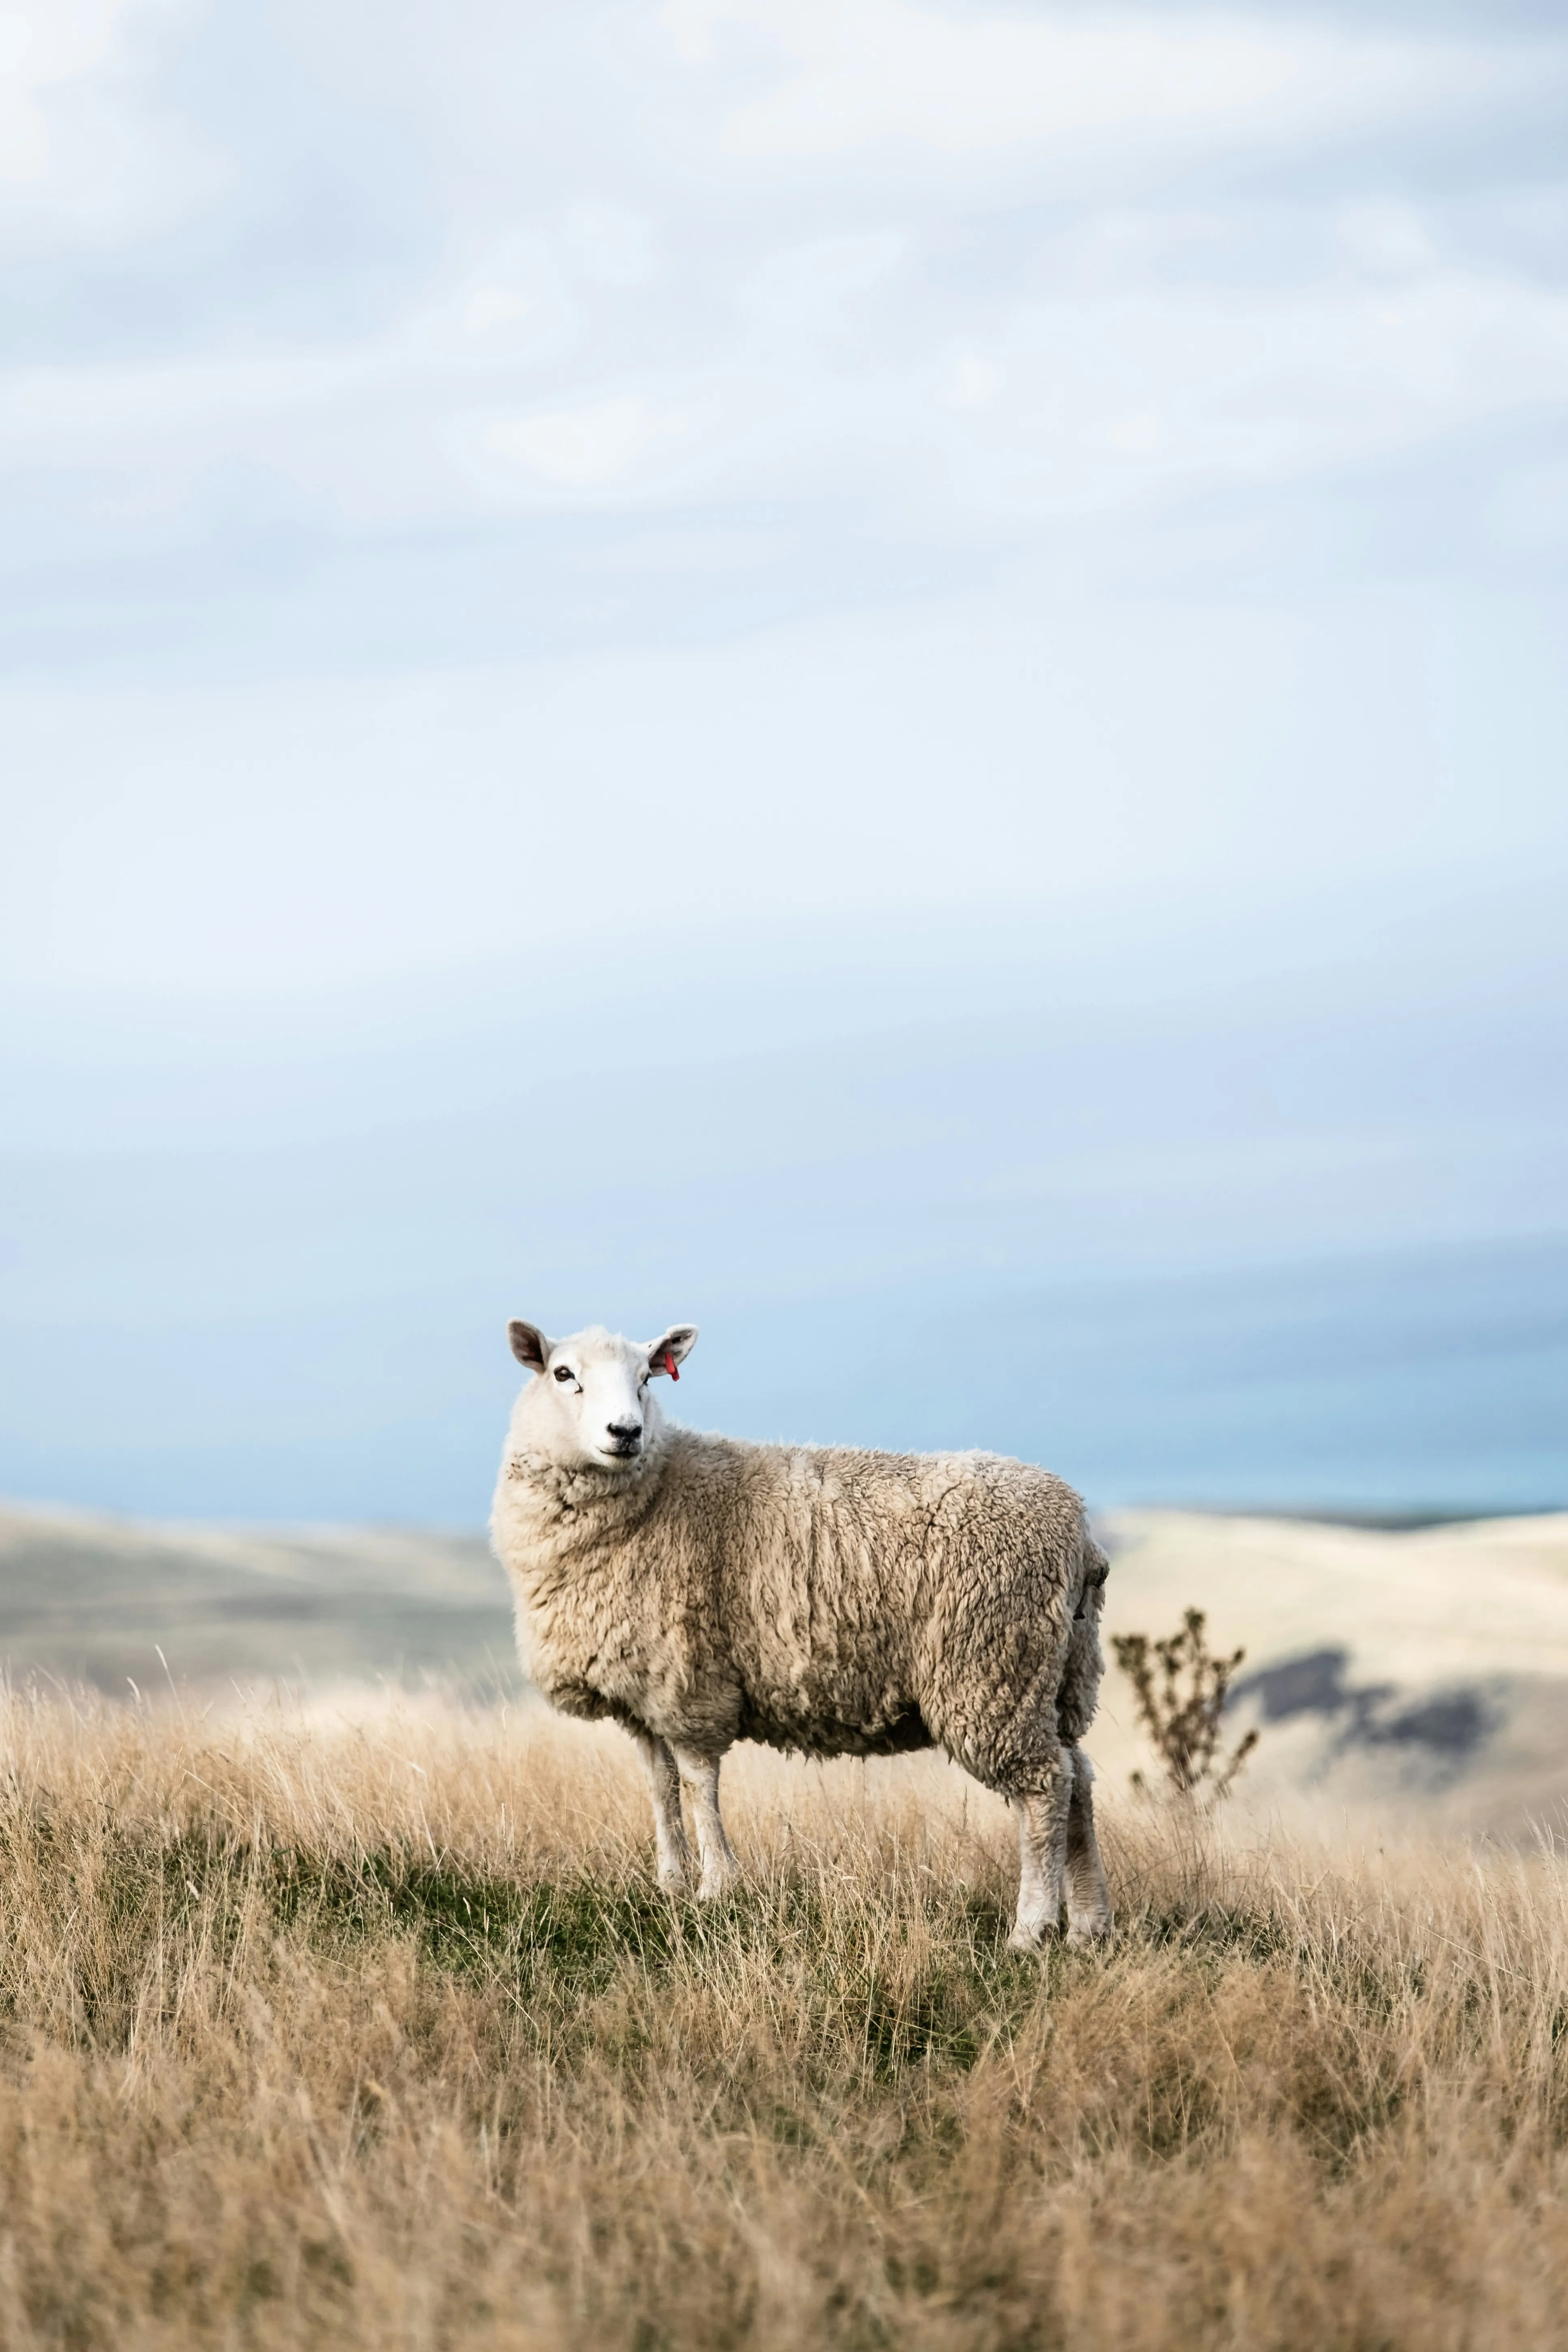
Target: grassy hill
93, 1599
1425, 1669
367, 2025
373, 2030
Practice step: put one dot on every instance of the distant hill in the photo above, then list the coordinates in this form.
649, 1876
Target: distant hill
92, 1598
1423, 1669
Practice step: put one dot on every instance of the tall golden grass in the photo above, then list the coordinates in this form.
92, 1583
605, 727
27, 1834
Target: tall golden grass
370, 2029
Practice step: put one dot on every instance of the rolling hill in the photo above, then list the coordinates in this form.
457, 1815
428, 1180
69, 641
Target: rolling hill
1423, 1670
94, 1599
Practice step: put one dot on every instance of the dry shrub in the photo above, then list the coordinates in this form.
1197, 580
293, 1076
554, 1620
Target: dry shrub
373, 2031
1179, 1686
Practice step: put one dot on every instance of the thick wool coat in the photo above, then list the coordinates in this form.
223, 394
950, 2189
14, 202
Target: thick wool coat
821, 1599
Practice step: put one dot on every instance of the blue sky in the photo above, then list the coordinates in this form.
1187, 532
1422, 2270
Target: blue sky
801, 665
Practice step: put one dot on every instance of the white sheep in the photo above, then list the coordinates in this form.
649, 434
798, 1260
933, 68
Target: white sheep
700, 1590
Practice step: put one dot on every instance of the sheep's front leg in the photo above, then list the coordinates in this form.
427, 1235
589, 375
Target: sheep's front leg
1089, 1898
669, 1829
700, 1775
1042, 1818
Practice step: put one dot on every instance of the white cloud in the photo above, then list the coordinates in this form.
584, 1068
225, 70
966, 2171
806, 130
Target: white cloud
1154, 352
1072, 404
1528, 511
801, 290
91, 154
611, 243
662, 297
1100, 402
855, 76
1387, 238
591, 447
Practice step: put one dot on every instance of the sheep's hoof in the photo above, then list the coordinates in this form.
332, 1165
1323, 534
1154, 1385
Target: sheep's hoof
709, 1888
1083, 1938
673, 1879
1027, 1940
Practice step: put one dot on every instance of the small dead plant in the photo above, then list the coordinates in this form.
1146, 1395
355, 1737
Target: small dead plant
1181, 1688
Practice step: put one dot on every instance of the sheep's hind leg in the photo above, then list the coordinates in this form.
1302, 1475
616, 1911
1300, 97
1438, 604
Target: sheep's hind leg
1089, 1898
1042, 1818
669, 1829
700, 1775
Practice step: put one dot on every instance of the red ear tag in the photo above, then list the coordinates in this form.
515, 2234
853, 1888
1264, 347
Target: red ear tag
669, 1365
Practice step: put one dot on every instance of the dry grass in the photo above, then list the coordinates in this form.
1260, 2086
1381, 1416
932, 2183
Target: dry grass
375, 2032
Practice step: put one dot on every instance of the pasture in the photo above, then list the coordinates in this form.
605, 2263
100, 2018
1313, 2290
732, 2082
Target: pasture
366, 2026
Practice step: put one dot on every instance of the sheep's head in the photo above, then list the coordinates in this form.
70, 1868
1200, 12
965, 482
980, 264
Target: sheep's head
589, 1400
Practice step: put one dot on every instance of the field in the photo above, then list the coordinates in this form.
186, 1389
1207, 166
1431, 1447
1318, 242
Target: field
366, 2027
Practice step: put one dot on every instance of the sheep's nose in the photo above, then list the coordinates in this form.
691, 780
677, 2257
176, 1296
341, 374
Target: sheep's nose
624, 1432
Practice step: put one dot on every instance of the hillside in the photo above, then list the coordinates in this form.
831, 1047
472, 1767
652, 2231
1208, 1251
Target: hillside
1424, 1670
370, 2029
93, 1599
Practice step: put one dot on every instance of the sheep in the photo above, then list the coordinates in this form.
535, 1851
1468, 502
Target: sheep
700, 1590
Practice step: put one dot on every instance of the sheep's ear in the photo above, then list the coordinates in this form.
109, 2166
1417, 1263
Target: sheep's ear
529, 1345
663, 1355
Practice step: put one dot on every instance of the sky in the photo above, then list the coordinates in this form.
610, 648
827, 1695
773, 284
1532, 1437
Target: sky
890, 677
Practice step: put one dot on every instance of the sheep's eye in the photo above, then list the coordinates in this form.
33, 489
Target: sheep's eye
564, 1372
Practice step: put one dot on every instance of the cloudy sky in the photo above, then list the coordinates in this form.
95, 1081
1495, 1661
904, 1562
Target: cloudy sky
785, 650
